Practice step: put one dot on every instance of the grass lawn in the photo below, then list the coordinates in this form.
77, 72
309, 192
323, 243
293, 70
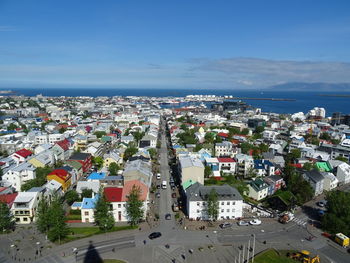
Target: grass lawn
73, 217
272, 256
113, 261
81, 232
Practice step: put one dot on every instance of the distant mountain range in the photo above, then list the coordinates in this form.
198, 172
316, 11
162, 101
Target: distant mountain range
319, 87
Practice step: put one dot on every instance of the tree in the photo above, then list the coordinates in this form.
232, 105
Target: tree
212, 205
209, 137
40, 179
129, 152
325, 136
103, 213
207, 171
308, 166
99, 134
259, 129
337, 218
71, 196
138, 135
62, 130
6, 218
134, 206
86, 193
43, 216
12, 127
97, 161
113, 168
58, 227
341, 158
152, 153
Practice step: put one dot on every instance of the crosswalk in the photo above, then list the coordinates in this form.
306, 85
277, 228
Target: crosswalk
301, 221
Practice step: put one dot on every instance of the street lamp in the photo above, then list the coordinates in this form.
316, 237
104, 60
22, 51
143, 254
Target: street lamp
38, 248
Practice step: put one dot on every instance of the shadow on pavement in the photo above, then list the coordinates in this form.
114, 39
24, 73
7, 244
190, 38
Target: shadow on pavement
92, 255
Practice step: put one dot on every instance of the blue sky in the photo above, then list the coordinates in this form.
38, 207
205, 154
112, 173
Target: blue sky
187, 44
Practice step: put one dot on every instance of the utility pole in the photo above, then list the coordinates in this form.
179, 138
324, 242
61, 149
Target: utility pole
243, 254
248, 250
253, 248
239, 256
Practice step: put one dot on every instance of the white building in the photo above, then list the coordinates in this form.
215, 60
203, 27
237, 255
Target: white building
25, 205
16, 176
229, 199
330, 181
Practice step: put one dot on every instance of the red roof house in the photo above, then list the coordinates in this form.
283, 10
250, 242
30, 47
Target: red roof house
113, 194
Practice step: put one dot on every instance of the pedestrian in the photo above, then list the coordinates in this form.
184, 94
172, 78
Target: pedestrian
144, 242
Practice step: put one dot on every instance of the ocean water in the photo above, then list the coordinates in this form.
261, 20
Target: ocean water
304, 101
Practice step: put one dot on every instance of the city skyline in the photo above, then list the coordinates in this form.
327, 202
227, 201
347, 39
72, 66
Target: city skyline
201, 44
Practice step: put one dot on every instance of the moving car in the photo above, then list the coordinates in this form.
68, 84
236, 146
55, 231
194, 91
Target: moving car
225, 225
243, 223
167, 216
154, 235
255, 222
164, 185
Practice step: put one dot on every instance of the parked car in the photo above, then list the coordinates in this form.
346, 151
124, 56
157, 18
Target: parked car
158, 176
243, 223
255, 222
167, 216
173, 195
225, 225
154, 235
321, 203
158, 195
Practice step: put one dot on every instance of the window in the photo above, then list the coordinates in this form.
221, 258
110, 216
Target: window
222, 210
123, 205
228, 203
233, 210
197, 211
222, 203
198, 204
119, 205
25, 219
233, 203
227, 210
86, 213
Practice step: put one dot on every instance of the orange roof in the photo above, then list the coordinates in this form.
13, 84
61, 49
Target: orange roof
128, 186
61, 173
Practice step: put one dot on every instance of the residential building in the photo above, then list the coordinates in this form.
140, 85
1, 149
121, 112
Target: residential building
258, 189
229, 199
191, 168
16, 176
83, 158
245, 163
25, 205
330, 181
227, 165
315, 179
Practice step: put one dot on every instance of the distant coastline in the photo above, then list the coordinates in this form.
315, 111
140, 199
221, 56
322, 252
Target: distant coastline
335, 95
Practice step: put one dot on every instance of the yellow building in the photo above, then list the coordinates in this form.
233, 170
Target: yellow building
62, 176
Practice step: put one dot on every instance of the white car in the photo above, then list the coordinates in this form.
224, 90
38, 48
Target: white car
255, 222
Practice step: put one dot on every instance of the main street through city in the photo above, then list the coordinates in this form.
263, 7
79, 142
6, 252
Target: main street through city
210, 246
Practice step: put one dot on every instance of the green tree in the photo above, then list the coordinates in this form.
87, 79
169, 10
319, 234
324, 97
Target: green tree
325, 136
337, 218
103, 213
212, 205
129, 152
343, 159
138, 136
113, 168
207, 171
40, 179
58, 227
259, 129
43, 216
86, 193
152, 153
134, 206
97, 161
245, 131
99, 134
6, 218
71, 196
62, 130
209, 137
12, 127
